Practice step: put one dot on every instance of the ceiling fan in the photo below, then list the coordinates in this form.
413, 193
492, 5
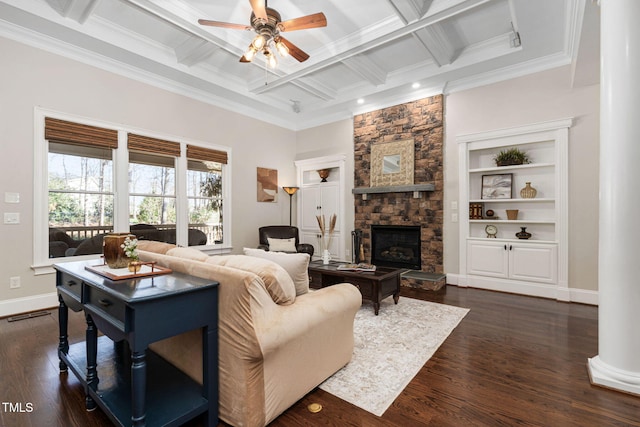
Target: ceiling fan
268, 25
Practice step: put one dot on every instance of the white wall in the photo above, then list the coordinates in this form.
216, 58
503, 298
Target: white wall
535, 98
30, 77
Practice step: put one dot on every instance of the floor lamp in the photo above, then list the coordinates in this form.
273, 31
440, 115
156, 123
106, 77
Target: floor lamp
290, 191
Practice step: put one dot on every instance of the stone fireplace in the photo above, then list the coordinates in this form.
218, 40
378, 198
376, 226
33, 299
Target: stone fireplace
422, 122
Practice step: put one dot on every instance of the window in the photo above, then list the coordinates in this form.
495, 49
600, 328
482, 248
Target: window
204, 194
80, 198
152, 196
88, 186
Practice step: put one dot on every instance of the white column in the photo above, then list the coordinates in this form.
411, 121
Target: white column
617, 365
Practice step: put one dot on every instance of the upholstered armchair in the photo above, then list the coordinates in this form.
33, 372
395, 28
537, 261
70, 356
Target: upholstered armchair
284, 237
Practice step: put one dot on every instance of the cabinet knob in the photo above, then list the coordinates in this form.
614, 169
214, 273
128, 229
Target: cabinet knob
71, 283
505, 247
510, 247
104, 302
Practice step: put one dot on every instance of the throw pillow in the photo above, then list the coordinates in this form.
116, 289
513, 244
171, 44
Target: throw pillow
275, 278
295, 264
282, 245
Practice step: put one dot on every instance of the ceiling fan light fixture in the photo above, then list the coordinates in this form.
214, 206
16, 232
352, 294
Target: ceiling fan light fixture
272, 61
250, 53
258, 42
282, 48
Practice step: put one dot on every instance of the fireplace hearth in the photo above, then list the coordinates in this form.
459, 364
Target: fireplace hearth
396, 246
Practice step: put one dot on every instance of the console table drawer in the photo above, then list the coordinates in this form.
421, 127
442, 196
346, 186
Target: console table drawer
106, 306
71, 285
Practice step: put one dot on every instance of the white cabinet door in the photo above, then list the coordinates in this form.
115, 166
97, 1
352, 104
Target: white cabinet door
487, 259
533, 262
310, 203
329, 203
528, 262
313, 239
318, 200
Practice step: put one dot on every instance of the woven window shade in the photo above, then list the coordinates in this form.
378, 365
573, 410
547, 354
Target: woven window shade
78, 134
208, 155
153, 145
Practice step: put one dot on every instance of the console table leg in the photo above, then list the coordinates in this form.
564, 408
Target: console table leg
92, 353
138, 387
376, 307
63, 321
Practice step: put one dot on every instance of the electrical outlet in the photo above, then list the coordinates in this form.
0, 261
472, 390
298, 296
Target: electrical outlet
14, 282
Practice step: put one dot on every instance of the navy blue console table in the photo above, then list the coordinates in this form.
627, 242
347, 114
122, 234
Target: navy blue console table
130, 383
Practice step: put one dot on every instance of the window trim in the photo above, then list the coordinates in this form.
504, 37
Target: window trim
42, 264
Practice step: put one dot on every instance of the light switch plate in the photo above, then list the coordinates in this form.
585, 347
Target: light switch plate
11, 197
11, 218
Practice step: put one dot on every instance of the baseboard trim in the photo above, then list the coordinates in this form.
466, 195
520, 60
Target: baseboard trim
23, 305
559, 293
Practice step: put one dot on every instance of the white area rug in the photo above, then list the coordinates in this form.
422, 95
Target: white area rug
390, 349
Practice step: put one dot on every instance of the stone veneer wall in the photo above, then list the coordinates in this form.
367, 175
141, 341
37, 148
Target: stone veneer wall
421, 120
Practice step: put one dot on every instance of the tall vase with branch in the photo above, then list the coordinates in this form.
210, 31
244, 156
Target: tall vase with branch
326, 235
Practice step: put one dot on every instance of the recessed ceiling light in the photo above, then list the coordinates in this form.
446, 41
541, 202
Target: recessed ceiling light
360, 101
416, 85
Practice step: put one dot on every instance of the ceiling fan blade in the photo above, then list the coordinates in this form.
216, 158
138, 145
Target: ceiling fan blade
223, 24
259, 8
304, 22
294, 50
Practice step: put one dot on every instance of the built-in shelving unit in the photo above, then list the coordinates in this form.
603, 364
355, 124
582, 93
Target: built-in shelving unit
318, 197
535, 266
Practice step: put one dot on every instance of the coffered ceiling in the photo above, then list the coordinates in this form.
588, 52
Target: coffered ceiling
371, 54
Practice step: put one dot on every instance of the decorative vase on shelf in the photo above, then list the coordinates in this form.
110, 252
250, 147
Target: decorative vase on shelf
523, 234
528, 192
113, 251
326, 256
512, 214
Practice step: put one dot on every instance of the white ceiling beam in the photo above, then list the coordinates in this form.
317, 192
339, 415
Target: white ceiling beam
411, 10
78, 10
436, 42
367, 69
334, 55
316, 88
194, 50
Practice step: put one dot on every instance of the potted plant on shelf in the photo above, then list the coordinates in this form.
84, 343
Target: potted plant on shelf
511, 156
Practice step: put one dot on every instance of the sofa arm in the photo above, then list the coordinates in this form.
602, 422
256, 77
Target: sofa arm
305, 248
279, 324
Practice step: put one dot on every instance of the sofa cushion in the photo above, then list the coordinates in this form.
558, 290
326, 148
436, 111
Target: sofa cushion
282, 245
154, 246
276, 279
188, 253
295, 264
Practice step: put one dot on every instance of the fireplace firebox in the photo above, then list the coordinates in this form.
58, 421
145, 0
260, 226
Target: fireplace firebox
396, 246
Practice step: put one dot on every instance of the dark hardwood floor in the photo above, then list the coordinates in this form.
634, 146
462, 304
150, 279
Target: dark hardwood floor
513, 360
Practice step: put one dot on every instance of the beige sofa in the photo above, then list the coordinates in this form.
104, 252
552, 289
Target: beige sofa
276, 343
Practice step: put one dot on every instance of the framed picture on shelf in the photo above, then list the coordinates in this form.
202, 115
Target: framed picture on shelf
497, 186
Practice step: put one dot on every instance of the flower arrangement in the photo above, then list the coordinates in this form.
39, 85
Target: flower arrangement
130, 247
324, 232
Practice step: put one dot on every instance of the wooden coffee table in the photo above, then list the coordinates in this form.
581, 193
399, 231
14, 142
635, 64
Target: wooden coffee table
374, 286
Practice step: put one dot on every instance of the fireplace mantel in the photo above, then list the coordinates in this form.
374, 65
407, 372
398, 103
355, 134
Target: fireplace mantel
416, 189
